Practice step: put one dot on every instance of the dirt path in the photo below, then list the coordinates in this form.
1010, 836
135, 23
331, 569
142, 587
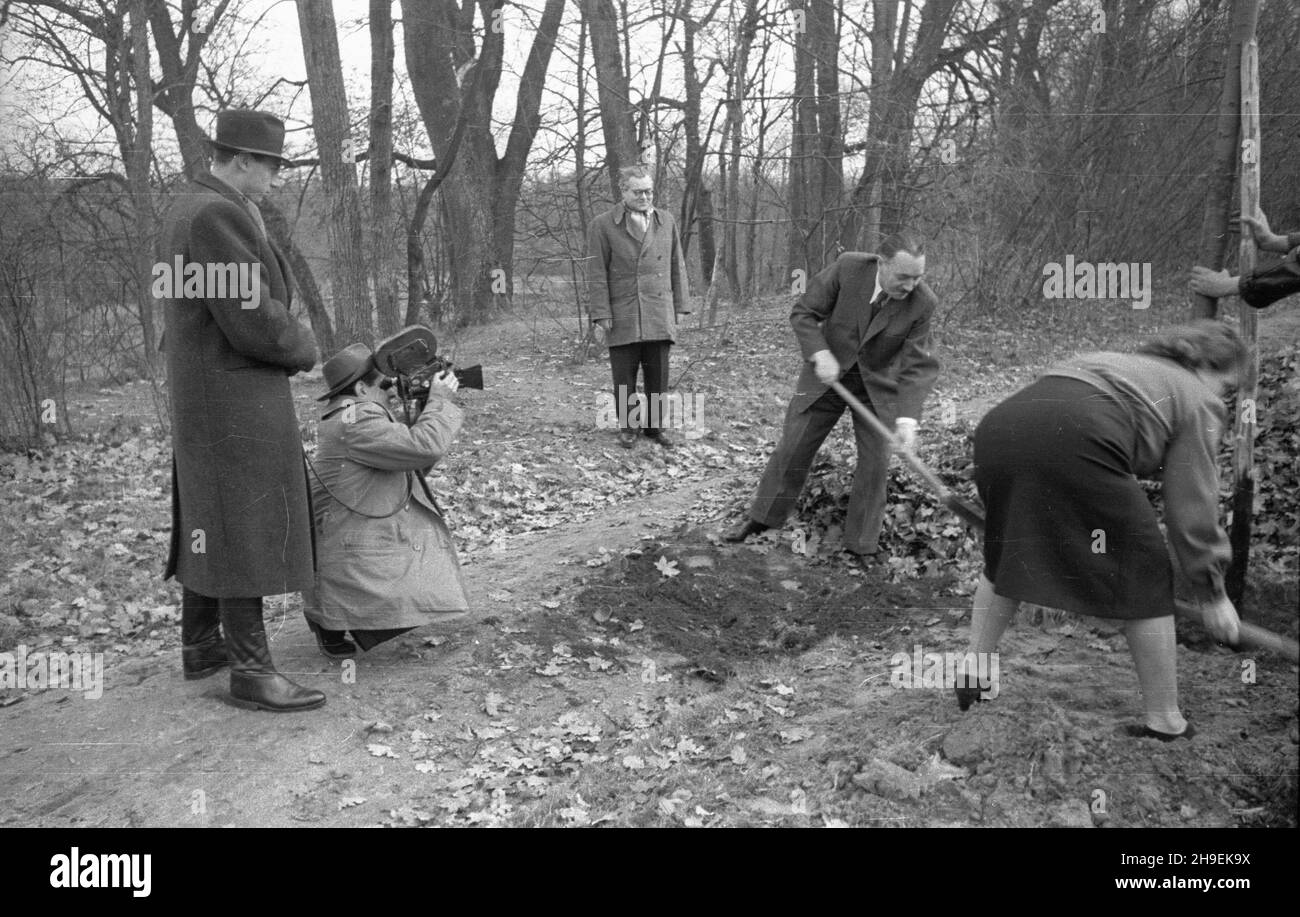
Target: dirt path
158, 750
625, 668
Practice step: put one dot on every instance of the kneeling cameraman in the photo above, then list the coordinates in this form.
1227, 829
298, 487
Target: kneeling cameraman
385, 559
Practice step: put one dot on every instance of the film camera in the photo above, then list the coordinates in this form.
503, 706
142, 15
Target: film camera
411, 358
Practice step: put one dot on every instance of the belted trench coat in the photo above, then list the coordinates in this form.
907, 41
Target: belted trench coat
385, 556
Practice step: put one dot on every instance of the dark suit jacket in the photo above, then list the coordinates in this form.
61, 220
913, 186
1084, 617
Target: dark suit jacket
239, 470
892, 352
1265, 286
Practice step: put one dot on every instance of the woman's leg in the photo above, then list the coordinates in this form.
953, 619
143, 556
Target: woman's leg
991, 614
1151, 644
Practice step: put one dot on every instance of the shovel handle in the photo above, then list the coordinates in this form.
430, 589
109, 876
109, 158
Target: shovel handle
907, 454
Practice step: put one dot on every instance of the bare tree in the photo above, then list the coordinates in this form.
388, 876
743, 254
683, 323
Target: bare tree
1218, 199
320, 49
382, 250
613, 94
817, 137
454, 88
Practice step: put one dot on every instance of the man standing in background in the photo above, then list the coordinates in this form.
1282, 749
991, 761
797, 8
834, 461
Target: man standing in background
241, 526
636, 288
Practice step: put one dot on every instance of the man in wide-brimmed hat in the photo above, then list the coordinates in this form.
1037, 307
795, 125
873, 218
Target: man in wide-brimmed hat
241, 523
385, 558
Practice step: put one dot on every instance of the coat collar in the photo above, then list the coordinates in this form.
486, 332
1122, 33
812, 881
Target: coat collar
211, 182
340, 401
621, 211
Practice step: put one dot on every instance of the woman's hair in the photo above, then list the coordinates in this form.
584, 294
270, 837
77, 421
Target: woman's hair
1203, 344
905, 240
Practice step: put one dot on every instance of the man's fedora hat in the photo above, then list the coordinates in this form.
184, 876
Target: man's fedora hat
350, 365
241, 130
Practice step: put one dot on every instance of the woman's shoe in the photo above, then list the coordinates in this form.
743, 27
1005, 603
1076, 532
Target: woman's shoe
1144, 731
968, 691
333, 643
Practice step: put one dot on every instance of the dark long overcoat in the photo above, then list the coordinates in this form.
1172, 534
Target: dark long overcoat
241, 520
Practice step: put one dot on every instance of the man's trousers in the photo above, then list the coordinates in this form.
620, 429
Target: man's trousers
652, 358
787, 469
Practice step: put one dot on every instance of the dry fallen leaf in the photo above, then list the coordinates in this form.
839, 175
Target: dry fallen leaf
667, 567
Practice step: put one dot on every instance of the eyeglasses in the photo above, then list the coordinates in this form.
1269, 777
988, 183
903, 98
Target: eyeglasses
641, 192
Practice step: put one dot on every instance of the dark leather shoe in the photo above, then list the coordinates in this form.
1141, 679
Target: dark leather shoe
203, 649
254, 682
627, 438
864, 562
741, 532
660, 438
204, 659
333, 643
272, 691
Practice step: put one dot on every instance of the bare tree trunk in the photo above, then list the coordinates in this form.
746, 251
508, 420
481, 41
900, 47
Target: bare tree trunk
708, 243
174, 96
330, 123
803, 129
137, 154
823, 24
454, 90
880, 199
383, 252
1218, 193
739, 83
512, 163
613, 92
580, 136
692, 198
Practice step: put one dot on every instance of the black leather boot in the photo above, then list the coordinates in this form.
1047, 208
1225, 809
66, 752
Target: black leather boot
203, 652
333, 643
254, 682
741, 532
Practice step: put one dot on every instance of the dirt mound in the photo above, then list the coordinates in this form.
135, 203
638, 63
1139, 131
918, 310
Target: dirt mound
719, 606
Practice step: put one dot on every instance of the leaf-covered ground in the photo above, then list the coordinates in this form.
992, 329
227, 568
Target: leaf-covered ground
625, 667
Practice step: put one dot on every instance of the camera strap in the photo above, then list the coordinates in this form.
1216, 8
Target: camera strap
359, 512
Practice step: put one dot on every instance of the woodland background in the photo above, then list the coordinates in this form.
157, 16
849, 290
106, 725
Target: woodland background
453, 182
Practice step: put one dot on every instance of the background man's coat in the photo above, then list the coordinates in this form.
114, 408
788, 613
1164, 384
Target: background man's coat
640, 284
241, 523
392, 572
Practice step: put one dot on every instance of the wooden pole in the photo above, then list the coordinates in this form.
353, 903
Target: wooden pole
1223, 171
1243, 452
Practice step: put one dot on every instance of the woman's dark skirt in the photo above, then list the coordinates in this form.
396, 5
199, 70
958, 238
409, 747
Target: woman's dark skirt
1068, 526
